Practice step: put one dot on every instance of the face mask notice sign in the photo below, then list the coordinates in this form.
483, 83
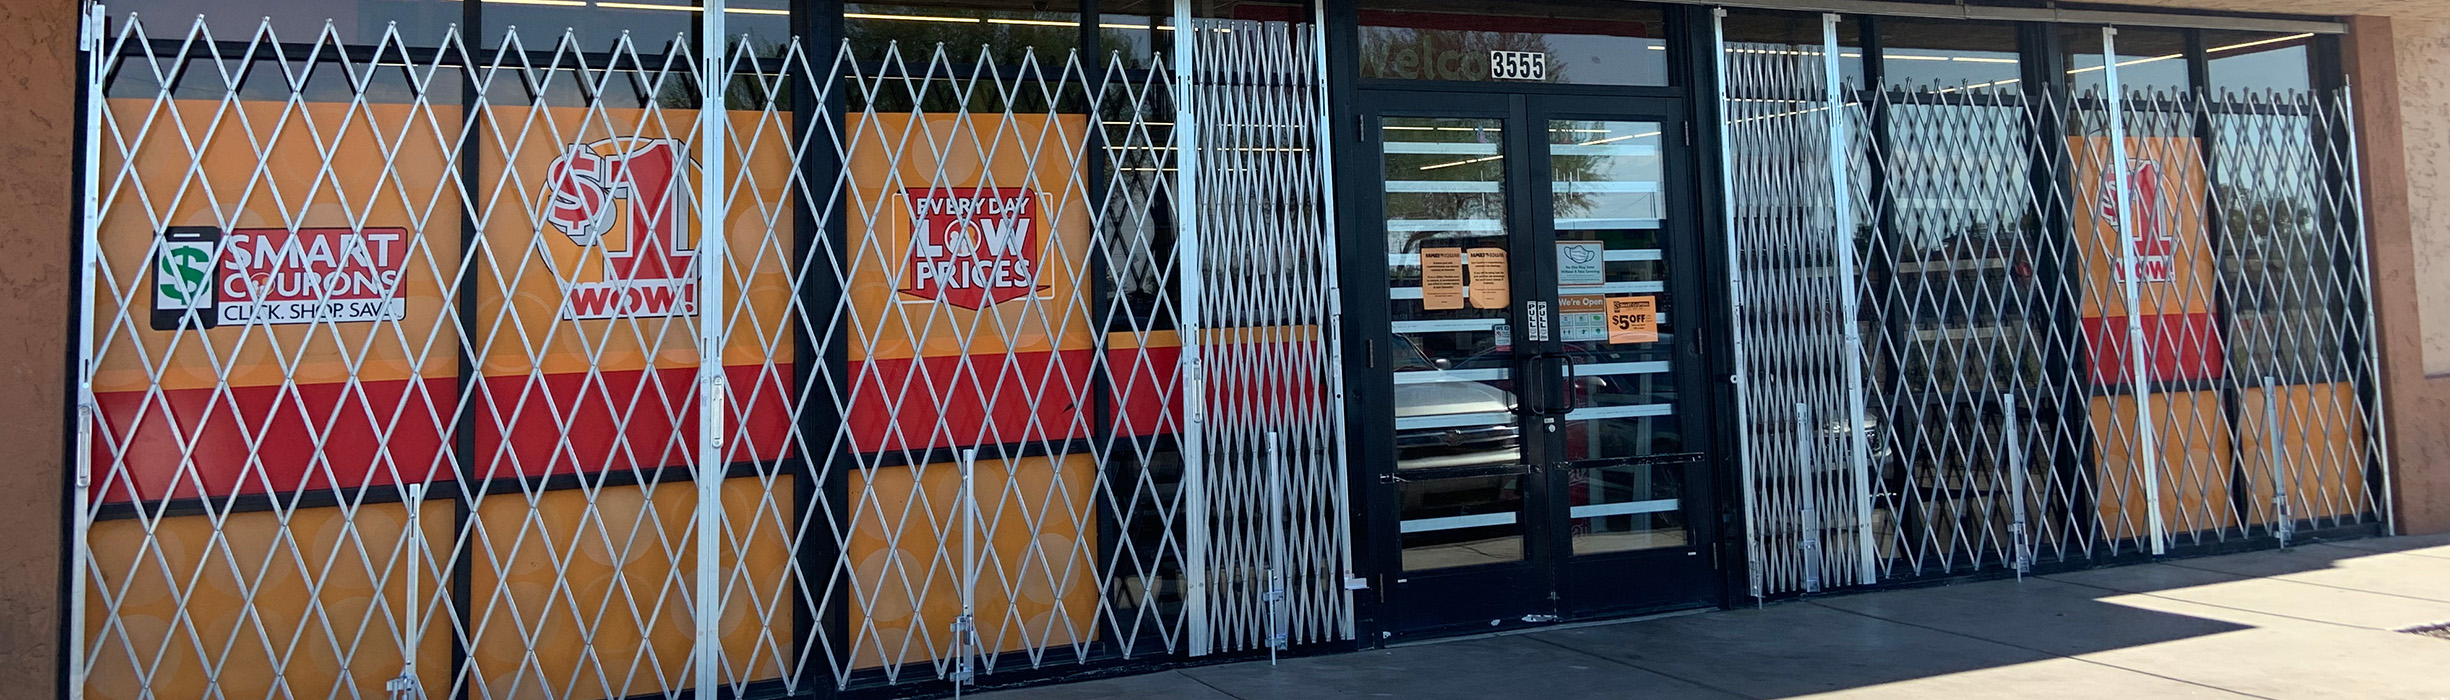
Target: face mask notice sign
1633, 320
1582, 263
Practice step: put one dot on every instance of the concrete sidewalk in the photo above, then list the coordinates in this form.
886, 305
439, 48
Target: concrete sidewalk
2316, 621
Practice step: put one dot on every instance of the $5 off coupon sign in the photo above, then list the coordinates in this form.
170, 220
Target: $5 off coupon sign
1633, 320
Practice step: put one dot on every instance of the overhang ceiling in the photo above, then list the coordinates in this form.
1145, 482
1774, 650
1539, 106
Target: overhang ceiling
2414, 9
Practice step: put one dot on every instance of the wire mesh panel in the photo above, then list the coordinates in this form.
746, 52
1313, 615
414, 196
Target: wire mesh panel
1789, 246
2111, 322
1972, 288
2072, 373
2293, 277
566, 366
1274, 423
397, 367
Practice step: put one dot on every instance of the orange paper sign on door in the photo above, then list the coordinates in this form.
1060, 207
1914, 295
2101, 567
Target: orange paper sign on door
1441, 278
1490, 289
1633, 320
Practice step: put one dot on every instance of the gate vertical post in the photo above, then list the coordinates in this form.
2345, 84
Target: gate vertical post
2013, 434
2283, 522
1807, 518
1735, 306
92, 29
412, 626
1278, 634
1841, 196
712, 405
965, 626
2380, 436
1187, 271
1331, 335
2147, 440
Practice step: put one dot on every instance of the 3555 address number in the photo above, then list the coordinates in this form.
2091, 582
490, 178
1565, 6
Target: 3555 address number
1518, 65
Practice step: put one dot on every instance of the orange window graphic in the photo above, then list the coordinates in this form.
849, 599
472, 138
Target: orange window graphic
292, 316
2173, 261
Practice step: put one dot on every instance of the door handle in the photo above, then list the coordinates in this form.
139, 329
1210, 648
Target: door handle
1557, 372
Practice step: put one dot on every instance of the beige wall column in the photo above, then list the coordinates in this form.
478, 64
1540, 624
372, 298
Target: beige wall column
2401, 72
37, 231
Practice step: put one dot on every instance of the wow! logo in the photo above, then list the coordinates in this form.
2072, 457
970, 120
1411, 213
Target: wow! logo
623, 203
2148, 210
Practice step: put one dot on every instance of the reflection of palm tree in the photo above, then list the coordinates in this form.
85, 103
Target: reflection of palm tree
1457, 168
1576, 201
1474, 48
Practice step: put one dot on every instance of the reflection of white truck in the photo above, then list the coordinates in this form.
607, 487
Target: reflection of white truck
1497, 442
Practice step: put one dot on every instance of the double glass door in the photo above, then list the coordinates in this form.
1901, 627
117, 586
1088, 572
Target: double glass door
1545, 450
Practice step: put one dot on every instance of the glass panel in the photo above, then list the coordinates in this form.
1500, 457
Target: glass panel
1139, 31
653, 25
1767, 33
1011, 29
2149, 60
1921, 54
2257, 62
2280, 265
1449, 291
1461, 522
1595, 43
1625, 508
1446, 214
1610, 185
362, 22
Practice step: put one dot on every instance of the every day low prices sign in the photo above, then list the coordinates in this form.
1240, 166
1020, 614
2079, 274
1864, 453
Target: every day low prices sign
974, 247
964, 283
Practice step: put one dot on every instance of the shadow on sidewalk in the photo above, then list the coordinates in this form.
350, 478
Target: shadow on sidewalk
1786, 649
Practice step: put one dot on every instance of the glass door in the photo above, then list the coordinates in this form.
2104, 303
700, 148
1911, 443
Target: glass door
1536, 462
1464, 496
1629, 453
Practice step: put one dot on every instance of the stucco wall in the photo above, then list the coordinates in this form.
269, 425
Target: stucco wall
2423, 57
38, 76
2420, 401
2403, 79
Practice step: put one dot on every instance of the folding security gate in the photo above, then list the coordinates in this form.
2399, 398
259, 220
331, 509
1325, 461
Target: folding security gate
582, 366
2001, 325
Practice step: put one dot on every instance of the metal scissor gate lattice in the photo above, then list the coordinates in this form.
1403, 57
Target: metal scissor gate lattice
567, 366
2070, 326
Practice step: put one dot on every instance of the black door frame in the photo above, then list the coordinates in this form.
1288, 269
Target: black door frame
1362, 264
1687, 291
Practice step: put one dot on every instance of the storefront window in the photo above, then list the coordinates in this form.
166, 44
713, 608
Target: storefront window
1138, 32
2149, 60
1772, 35
1918, 54
1579, 42
2257, 62
357, 22
653, 26
1012, 31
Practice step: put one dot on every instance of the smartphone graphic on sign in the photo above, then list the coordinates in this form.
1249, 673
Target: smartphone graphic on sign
185, 295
